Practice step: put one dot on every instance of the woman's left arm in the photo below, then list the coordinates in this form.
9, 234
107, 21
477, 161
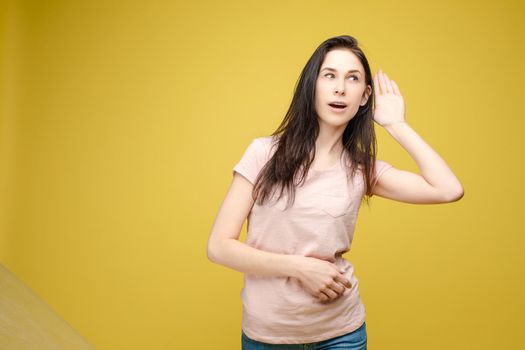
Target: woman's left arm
437, 183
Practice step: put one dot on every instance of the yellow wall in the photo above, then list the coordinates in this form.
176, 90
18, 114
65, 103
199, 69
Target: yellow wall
121, 122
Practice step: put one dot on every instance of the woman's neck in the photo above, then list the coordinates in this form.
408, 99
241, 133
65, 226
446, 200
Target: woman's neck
329, 144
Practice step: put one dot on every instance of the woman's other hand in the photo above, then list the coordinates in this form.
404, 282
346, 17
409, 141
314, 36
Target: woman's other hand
321, 278
389, 105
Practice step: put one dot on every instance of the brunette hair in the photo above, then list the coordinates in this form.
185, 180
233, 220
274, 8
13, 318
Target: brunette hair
297, 133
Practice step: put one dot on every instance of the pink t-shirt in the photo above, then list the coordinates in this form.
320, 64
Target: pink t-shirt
320, 224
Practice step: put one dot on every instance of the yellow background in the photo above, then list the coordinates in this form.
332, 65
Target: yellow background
121, 122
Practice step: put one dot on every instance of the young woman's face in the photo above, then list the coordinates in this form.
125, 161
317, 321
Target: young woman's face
341, 79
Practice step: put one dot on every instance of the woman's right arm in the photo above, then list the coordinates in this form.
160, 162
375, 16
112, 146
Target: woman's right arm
224, 248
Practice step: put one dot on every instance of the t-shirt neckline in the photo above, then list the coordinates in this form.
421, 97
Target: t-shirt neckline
331, 168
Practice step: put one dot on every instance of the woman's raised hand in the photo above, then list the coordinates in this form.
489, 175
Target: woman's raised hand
321, 278
389, 104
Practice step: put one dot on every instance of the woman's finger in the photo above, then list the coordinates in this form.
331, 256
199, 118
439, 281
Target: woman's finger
339, 288
335, 287
382, 82
388, 83
380, 87
330, 293
376, 86
323, 297
344, 281
396, 88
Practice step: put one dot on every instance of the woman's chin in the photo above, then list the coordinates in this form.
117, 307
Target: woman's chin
333, 122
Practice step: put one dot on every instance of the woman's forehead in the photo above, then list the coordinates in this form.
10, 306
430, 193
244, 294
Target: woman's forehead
342, 60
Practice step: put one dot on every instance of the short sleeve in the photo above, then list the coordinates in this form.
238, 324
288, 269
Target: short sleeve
252, 160
380, 167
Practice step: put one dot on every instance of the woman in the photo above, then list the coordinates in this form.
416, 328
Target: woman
301, 189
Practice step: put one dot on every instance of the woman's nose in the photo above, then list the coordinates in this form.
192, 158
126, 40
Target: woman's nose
340, 88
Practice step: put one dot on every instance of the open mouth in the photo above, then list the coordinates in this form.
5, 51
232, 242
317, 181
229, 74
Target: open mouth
337, 105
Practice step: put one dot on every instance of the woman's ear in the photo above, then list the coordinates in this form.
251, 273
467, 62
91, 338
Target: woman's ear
366, 95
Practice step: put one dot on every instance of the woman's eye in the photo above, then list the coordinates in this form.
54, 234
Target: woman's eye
329, 75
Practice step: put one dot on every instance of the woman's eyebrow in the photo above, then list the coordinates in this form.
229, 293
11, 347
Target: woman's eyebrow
334, 70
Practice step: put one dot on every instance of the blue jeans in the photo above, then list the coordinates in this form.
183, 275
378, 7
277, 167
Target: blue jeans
355, 340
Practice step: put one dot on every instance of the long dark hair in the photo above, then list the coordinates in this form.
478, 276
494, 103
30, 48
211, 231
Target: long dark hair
297, 133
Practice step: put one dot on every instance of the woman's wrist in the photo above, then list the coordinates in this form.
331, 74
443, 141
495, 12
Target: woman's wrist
291, 264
